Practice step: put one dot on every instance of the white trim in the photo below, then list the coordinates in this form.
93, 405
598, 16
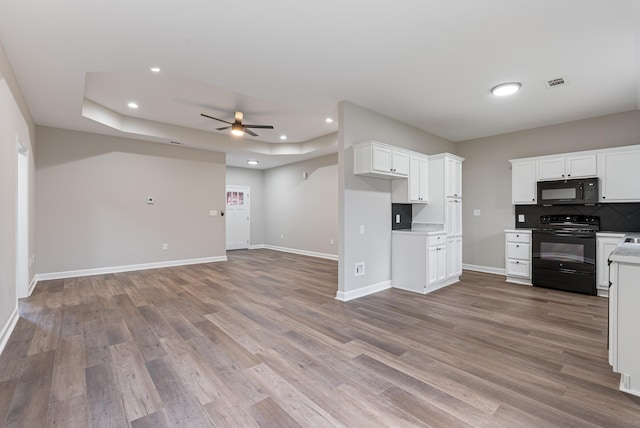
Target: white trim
257, 247
32, 284
127, 268
363, 291
484, 269
7, 329
516, 280
302, 252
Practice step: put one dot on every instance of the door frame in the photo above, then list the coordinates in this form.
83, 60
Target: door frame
22, 221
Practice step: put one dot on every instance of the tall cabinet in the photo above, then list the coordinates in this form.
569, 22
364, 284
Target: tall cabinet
445, 206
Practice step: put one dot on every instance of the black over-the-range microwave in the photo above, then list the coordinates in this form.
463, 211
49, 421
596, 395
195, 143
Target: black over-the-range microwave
562, 192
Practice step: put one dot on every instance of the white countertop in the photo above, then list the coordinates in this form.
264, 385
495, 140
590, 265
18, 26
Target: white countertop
627, 252
422, 229
518, 230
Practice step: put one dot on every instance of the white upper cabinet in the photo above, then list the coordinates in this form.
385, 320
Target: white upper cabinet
620, 175
453, 177
523, 182
415, 189
566, 167
380, 160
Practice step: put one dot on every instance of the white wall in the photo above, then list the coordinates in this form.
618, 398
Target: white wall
367, 201
15, 124
254, 179
303, 212
90, 202
486, 174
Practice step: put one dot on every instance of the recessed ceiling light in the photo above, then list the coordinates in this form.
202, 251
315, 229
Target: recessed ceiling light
328, 120
132, 105
283, 137
505, 89
252, 162
155, 69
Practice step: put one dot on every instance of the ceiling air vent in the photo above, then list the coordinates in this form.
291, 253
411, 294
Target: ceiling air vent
553, 83
177, 143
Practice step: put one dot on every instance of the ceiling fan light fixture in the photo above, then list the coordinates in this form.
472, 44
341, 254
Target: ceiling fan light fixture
504, 89
237, 130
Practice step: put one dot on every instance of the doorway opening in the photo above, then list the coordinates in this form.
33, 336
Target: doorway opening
238, 210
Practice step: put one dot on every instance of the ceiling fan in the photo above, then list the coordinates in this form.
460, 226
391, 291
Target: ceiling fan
237, 127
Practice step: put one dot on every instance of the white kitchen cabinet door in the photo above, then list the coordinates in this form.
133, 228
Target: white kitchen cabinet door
523, 183
581, 166
437, 269
551, 169
382, 159
453, 217
453, 177
400, 162
418, 179
454, 256
619, 176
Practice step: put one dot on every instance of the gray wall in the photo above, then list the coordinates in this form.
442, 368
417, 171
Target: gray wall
15, 124
254, 179
486, 174
303, 212
90, 202
367, 201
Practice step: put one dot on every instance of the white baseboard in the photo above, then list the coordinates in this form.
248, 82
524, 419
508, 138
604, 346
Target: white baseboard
127, 268
32, 284
256, 247
484, 269
364, 291
302, 252
8, 327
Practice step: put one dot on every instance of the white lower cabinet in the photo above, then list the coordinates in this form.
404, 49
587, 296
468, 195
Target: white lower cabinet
454, 256
419, 261
518, 256
606, 243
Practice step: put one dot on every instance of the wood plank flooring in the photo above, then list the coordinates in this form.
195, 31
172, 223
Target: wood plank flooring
260, 341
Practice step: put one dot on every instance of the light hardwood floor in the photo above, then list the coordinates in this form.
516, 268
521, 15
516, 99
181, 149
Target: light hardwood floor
261, 341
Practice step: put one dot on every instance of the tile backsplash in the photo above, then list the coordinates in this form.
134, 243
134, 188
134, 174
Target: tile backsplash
613, 217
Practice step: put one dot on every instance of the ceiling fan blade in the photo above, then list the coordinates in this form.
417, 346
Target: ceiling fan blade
223, 128
259, 126
239, 117
215, 118
250, 132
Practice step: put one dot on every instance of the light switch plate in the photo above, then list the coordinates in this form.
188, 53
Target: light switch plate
476, 213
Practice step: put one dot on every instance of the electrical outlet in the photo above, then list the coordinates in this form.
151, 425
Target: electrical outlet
476, 213
520, 218
362, 229
360, 269
165, 246
281, 236
331, 241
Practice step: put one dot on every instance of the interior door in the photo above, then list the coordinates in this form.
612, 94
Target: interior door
238, 205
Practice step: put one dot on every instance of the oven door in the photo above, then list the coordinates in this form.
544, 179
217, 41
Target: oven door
564, 260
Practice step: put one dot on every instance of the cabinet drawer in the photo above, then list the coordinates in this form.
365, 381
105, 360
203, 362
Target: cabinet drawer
518, 268
519, 237
436, 240
516, 250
